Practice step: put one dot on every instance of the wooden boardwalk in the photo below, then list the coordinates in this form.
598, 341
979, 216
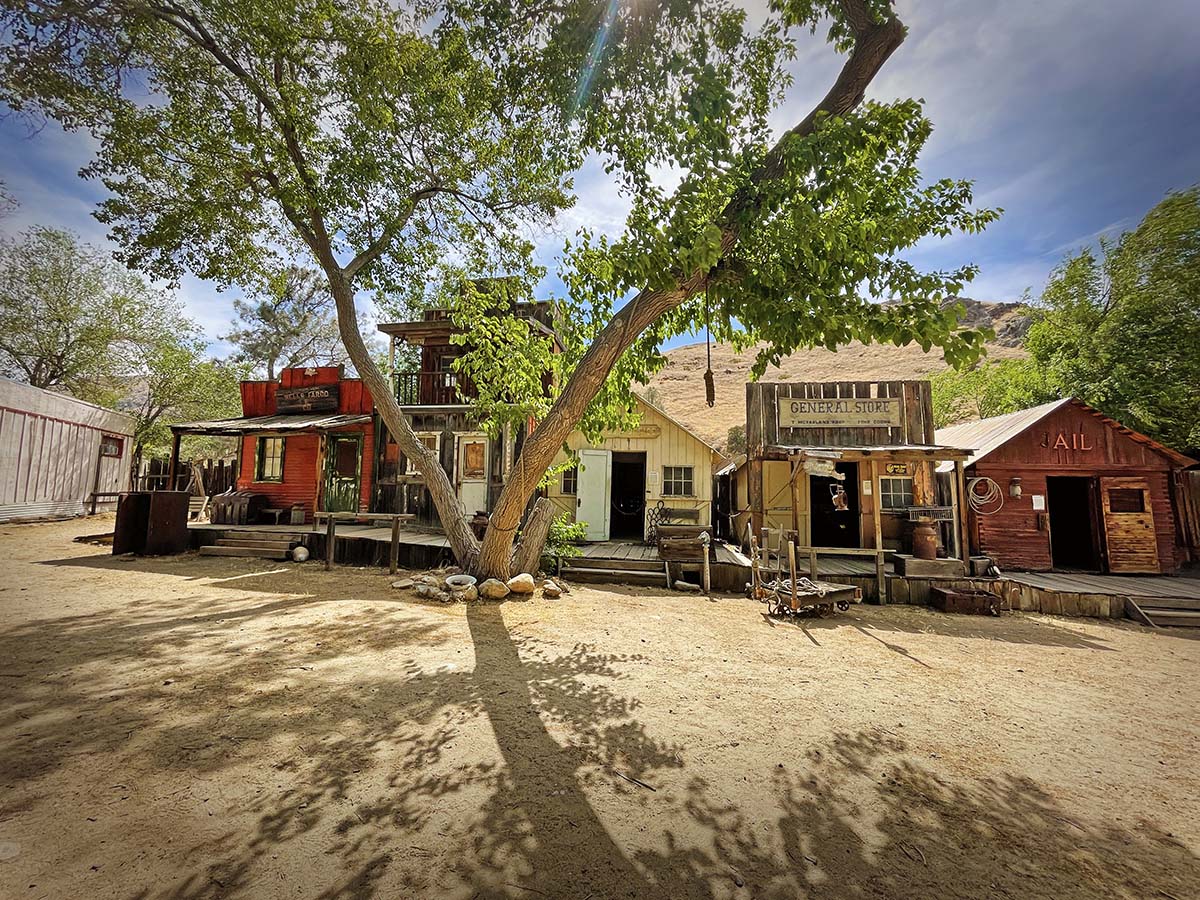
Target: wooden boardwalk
1153, 586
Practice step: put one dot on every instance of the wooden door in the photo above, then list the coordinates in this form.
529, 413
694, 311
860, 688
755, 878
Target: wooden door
1131, 544
472, 474
594, 490
343, 472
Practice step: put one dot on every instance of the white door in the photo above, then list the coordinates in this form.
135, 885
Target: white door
472, 474
593, 489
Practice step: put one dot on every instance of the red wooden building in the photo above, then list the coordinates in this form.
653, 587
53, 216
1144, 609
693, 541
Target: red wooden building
1062, 486
303, 440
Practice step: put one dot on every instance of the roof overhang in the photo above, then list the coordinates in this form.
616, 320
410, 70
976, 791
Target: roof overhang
248, 424
893, 451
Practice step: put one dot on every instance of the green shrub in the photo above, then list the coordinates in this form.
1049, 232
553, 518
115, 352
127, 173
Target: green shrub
563, 540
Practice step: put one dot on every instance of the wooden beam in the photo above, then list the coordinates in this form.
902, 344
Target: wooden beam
330, 537
755, 485
394, 556
964, 536
173, 469
880, 577
795, 486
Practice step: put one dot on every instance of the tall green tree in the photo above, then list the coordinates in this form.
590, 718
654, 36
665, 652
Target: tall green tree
386, 142
291, 322
67, 311
989, 389
1120, 328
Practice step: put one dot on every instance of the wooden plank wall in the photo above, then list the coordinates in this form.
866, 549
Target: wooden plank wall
762, 414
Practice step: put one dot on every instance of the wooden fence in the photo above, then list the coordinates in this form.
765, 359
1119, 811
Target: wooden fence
208, 476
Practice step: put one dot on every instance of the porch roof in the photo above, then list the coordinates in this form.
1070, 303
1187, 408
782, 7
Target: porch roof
896, 451
245, 424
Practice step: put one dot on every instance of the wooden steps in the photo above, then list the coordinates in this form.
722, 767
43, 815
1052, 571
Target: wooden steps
255, 544
1164, 611
600, 570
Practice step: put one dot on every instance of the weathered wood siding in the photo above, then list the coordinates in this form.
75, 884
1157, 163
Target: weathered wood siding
665, 443
763, 401
1018, 537
50, 460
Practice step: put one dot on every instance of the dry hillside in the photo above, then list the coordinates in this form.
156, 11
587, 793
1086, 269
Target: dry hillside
679, 387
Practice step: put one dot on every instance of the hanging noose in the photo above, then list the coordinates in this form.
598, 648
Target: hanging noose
710, 389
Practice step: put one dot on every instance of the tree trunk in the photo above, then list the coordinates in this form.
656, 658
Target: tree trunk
533, 538
454, 521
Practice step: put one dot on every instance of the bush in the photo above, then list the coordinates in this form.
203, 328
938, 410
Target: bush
563, 540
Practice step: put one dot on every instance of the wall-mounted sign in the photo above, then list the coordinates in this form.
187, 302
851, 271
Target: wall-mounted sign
1076, 440
317, 398
881, 412
825, 468
897, 468
1039, 502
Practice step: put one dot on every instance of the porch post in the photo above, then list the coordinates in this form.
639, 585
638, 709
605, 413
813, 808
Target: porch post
964, 508
394, 558
174, 466
880, 575
330, 537
755, 485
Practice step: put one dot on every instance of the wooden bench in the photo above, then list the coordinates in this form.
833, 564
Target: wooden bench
197, 508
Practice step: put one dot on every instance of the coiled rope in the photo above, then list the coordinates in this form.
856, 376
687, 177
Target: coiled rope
982, 503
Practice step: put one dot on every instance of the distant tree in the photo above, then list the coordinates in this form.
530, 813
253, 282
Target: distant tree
171, 378
1120, 329
66, 311
735, 440
989, 389
292, 323
651, 396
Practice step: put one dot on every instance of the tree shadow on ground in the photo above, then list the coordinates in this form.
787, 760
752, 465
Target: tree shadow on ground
564, 808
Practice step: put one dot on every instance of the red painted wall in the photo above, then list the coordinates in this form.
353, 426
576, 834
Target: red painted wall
303, 477
1012, 535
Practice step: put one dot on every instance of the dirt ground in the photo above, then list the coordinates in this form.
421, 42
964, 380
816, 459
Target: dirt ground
206, 728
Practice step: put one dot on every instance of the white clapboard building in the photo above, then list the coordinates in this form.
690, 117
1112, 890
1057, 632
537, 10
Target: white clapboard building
56, 452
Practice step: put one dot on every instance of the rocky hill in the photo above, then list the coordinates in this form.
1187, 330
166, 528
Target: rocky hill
679, 387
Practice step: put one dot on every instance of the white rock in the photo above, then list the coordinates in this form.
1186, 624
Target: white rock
551, 590
444, 596
493, 589
687, 586
403, 584
428, 591
522, 584
466, 595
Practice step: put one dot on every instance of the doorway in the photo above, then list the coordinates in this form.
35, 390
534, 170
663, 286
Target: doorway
343, 472
628, 496
834, 508
1072, 506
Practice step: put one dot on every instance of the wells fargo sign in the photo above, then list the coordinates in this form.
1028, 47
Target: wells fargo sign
318, 398
880, 412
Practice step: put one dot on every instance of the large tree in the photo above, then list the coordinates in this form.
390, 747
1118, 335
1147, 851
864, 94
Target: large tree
386, 141
66, 311
1120, 328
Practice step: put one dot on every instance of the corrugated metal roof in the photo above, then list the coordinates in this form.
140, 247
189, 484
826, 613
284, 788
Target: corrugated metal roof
985, 435
271, 423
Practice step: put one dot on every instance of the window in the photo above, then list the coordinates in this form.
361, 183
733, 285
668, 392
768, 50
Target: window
895, 493
677, 481
269, 459
570, 480
110, 445
1126, 500
446, 370
431, 439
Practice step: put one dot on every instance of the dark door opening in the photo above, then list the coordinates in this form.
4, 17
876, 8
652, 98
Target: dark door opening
1072, 507
628, 496
831, 525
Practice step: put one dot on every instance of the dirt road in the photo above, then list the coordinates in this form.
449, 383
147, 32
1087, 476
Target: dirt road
207, 728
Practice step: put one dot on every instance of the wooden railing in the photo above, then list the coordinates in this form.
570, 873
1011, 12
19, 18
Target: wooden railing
426, 388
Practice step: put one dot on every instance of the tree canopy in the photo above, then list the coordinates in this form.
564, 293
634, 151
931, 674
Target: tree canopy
403, 148
1118, 327
291, 322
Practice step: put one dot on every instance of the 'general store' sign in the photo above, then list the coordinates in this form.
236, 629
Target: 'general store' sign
318, 398
879, 412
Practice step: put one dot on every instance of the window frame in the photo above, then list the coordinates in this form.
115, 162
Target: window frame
884, 481
573, 474
683, 476
260, 477
111, 440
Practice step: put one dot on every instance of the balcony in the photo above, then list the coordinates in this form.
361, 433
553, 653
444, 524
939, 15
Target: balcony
427, 388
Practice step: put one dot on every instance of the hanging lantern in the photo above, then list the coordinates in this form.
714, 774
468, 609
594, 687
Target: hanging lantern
840, 502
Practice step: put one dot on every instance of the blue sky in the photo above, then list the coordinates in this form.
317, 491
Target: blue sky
1075, 116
